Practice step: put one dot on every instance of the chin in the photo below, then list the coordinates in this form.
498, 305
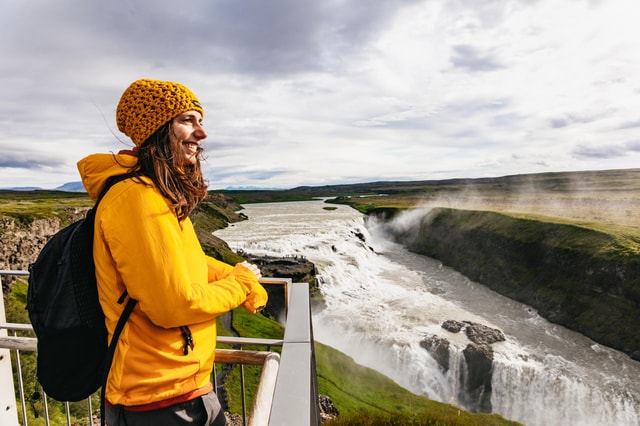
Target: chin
190, 160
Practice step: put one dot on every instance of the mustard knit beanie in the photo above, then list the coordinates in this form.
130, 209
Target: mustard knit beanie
148, 104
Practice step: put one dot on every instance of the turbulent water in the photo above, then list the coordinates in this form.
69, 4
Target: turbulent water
382, 300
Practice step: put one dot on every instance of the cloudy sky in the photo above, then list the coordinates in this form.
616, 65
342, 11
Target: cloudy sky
315, 92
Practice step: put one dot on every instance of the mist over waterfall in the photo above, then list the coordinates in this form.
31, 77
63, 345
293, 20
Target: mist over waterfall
384, 303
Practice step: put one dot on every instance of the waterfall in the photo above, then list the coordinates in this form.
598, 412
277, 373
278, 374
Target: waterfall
382, 302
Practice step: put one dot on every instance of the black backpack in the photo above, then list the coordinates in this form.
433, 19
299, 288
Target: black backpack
73, 358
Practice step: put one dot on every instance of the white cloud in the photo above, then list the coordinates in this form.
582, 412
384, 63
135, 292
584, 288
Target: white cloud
317, 92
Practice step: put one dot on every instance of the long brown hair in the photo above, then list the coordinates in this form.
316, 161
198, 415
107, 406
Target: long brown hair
161, 161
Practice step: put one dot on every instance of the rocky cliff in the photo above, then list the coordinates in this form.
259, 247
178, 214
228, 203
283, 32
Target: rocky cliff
585, 280
20, 243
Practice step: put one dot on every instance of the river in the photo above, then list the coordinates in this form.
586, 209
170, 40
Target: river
382, 300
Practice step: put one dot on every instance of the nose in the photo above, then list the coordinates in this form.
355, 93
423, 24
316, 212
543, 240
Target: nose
200, 132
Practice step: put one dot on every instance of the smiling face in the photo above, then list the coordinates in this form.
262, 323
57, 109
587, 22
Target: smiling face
186, 134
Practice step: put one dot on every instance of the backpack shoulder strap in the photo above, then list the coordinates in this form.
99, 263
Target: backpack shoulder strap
124, 316
112, 181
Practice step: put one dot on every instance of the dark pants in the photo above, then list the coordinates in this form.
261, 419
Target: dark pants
202, 411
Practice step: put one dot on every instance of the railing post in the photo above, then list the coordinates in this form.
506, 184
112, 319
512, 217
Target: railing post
8, 404
295, 401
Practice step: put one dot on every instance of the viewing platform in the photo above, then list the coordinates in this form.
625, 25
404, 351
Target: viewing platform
287, 392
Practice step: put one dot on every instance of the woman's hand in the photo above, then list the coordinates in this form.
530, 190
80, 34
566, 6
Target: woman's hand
253, 268
257, 297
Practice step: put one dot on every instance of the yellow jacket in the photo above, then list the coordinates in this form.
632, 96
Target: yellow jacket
140, 246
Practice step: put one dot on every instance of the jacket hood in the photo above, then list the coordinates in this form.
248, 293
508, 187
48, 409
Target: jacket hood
97, 168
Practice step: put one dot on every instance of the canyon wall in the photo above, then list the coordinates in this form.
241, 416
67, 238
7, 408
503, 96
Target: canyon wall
20, 243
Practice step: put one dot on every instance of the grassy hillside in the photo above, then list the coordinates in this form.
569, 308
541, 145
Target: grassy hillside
366, 397
26, 206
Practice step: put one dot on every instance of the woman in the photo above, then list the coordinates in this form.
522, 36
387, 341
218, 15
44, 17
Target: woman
145, 246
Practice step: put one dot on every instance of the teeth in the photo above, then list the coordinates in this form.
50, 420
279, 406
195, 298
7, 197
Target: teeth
191, 145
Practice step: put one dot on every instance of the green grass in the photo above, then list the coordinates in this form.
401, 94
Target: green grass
27, 214
365, 397
265, 196
417, 418
40, 195
248, 325
598, 239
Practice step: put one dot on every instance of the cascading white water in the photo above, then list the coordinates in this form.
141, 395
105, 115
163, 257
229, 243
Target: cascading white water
382, 301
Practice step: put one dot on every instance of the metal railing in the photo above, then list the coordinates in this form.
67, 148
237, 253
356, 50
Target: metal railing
287, 392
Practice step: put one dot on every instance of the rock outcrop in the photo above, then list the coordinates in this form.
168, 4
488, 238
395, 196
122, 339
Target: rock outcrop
478, 333
439, 349
298, 268
328, 411
475, 378
476, 364
20, 243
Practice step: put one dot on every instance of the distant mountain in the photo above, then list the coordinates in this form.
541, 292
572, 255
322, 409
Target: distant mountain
23, 188
72, 187
67, 187
252, 188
